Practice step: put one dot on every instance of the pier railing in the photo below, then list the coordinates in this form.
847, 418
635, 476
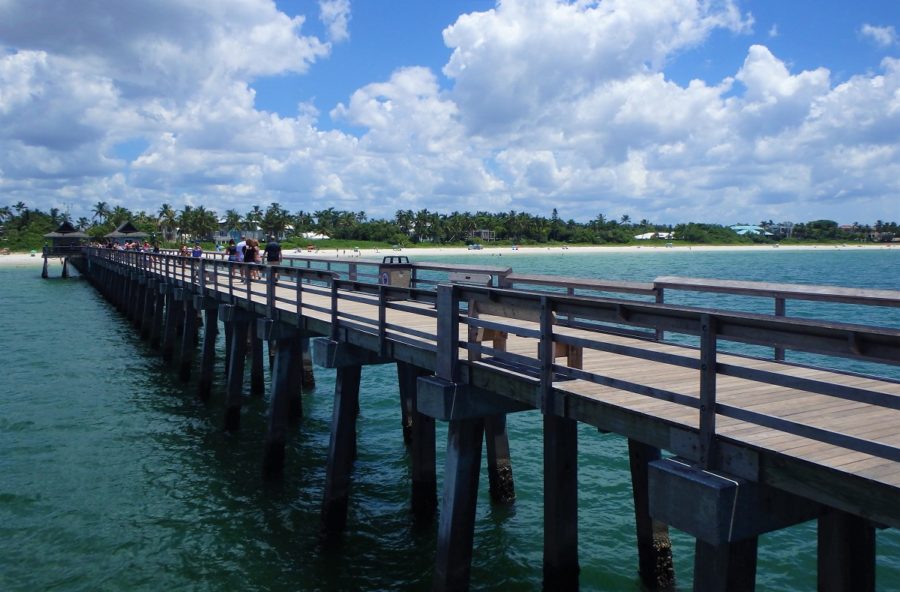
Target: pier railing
562, 324
534, 316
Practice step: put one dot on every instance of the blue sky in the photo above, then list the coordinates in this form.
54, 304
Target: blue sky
717, 111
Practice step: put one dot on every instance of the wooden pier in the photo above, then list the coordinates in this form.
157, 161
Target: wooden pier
723, 445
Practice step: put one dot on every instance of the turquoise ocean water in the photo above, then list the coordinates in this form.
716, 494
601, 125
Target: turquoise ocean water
114, 477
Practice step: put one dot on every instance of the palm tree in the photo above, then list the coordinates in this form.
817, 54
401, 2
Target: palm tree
83, 223
119, 215
101, 211
232, 220
185, 220
275, 220
166, 220
203, 223
254, 217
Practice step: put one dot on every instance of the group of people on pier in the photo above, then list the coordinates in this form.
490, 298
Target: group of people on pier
248, 251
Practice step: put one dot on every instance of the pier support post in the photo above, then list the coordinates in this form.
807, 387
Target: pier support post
44, 273
170, 331
132, 298
466, 408
655, 566
257, 368
341, 449
407, 400
348, 361
186, 359
726, 567
560, 503
240, 323
283, 389
421, 441
150, 293
309, 377
65, 269
156, 327
846, 553
453, 561
295, 401
229, 337
210, 331
499, 465
140, 301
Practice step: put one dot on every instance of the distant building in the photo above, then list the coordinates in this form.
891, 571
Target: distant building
652, 235
483, 234
126, 232
745, 229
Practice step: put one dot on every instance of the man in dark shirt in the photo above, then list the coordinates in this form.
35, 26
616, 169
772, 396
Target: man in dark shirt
273, 253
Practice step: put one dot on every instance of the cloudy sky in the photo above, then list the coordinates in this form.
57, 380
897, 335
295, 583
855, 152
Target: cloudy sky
685, 110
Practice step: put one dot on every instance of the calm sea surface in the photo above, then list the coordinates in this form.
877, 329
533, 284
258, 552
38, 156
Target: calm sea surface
114, 477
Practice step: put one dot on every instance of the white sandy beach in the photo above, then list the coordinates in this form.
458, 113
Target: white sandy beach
422, 254
21, 260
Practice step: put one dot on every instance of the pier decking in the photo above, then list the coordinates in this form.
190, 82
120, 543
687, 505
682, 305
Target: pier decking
758, 443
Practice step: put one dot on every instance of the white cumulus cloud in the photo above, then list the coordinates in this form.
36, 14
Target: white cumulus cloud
881, 36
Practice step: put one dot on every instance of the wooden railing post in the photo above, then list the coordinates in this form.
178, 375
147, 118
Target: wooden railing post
382, 321
707, 390
545, 357
447, 332
660, 299
779, 312
270, 293
334, 309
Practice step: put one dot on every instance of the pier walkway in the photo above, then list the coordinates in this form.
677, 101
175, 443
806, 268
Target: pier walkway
728, 440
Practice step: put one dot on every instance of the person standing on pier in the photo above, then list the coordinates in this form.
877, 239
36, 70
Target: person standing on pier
273, 253
241, 249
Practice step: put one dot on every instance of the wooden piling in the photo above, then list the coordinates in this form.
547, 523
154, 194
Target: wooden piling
150, 293
560, 503
229, 337
282, 390
422, 449
170, 331
846, 553
500, 475
295, 400
655, 566
208, 360
341, 449
186, 357
309, 378
456, 528
240, 330
257, 368
725, 567
159, 300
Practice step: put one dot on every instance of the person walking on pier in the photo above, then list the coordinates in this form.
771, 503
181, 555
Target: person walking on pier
251, 256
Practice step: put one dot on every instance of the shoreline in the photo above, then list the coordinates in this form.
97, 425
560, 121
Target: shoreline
531, 250
27, 260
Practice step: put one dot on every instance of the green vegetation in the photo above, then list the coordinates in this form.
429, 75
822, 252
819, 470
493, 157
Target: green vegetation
22, 228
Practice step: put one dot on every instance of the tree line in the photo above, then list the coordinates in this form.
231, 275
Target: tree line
24, 227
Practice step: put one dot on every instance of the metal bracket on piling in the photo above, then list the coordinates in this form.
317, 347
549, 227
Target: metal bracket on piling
337, 354
448, 401
719, 508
